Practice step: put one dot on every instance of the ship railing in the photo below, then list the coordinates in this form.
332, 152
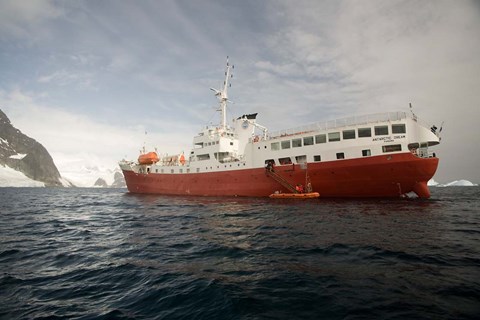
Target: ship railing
340, 123
425, 124
127, 162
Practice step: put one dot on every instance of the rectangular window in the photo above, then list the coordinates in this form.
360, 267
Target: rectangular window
381, 130
296, 143
201, 157
275, 146
392, 148
308, 141
333, 136
198, 170
317, 158
286, 160
348, 134
364, 132
366, 153
172, 171
301, 159
286, 144
398, 128
320, 138
340, 155
181, 170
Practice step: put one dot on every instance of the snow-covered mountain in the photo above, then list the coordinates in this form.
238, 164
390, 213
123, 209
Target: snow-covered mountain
23, 160
89, 171
12, 178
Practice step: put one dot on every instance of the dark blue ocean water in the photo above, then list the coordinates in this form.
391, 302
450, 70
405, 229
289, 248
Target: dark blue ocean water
106, 254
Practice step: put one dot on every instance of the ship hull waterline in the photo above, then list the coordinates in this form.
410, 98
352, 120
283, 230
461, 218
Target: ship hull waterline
391, 175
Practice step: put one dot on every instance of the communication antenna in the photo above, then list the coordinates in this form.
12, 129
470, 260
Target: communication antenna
222, 95
143, 150
414, 116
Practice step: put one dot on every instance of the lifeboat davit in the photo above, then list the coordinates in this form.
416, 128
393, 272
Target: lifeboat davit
148, 158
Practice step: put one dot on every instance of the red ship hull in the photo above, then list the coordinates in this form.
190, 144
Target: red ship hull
378, 176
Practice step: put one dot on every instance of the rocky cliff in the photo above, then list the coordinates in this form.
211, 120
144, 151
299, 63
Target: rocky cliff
118, 181
26, 155
100, 183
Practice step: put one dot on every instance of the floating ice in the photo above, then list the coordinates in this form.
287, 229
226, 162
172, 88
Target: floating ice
458, 183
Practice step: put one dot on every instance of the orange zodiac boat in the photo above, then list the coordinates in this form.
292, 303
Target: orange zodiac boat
309, 195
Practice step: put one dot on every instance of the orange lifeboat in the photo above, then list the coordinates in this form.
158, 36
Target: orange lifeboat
148, 158
308, 195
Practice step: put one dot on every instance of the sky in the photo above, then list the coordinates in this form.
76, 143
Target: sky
88, 79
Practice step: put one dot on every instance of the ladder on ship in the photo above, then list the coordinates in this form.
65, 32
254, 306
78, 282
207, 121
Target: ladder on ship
275, 176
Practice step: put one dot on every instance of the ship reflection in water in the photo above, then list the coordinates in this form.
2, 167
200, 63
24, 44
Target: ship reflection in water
239, 240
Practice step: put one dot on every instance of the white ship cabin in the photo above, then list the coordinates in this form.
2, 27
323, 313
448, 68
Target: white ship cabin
249, 145
347, 138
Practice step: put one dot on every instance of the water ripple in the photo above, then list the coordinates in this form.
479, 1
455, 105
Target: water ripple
106, 254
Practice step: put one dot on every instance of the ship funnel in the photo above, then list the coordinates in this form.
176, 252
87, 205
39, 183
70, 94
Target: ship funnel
244, 129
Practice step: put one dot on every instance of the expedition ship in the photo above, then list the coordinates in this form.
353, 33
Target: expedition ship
376, 155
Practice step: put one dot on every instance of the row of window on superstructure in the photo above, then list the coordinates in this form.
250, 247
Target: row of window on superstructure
188, 169
206, 144
335, 136
339, 155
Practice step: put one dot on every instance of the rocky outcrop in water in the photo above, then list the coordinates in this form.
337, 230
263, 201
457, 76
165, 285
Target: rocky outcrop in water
100, 183
118, 181
24, 154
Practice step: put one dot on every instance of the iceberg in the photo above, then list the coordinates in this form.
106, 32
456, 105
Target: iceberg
458, 183
432, 183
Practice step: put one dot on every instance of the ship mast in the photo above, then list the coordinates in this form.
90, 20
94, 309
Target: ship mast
222, 95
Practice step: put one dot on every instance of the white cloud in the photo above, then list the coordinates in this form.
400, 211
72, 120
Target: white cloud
24, 18
64, 78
